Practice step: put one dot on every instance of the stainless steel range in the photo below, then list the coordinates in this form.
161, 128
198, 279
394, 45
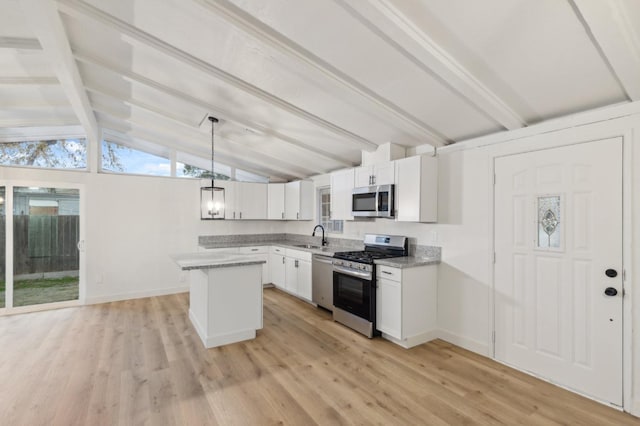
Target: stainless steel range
354, 281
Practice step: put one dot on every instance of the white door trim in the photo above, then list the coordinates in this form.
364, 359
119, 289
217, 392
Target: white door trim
9, 184
568, 137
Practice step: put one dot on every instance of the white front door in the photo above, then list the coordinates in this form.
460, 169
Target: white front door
558, 242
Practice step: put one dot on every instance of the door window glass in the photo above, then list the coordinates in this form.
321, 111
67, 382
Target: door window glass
549, 226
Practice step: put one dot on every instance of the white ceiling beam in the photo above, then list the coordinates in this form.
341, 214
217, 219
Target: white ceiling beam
614, 36
19, 134
195, 140
81, 9
211, 108
300, 169
416, 45
20, 43
37, 122
265, 34
46, 23
296, 169
128, 100
29, 81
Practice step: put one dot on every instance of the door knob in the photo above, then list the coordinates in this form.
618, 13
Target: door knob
611, 273
610, 291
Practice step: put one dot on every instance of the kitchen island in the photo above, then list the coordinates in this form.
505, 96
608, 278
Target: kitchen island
225, 296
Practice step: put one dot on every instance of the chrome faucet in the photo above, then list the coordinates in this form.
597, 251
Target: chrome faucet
313, 234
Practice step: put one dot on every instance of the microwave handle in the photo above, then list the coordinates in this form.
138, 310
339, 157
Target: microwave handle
377, 201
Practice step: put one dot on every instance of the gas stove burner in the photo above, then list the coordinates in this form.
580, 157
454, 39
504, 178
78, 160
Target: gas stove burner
363, 256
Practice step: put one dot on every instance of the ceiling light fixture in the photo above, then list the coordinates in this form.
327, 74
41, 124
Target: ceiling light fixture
212, 197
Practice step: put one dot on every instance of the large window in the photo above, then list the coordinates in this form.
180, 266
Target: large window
121, 159
54, 153
324, 209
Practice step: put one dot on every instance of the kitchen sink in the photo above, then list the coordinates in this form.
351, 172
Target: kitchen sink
308, 246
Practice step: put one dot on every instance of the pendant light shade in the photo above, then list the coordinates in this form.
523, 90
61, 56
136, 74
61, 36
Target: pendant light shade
212, 197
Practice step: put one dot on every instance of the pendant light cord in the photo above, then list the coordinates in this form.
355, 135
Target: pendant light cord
213, 120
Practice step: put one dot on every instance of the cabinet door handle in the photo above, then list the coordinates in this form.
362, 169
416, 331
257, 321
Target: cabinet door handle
254, 249
296, 263
387, 272
283, 259
234, 215
240, 215
283, 215
298, 215
373, 179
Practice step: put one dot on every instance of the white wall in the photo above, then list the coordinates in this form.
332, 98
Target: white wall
133, 224
465, 227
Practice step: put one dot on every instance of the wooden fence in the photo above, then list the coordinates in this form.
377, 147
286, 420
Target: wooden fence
42, 244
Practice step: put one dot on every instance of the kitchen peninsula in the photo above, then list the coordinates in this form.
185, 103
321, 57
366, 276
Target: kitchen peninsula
225, 295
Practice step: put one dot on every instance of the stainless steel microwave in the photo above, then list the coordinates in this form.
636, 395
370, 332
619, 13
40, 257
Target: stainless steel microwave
373, 201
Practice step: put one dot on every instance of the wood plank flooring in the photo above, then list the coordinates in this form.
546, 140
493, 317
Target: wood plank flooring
141, 362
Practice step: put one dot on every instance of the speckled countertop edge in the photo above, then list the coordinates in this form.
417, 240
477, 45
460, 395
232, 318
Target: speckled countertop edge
407, 262
203, 260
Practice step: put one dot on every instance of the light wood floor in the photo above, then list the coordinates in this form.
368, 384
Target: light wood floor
140, 362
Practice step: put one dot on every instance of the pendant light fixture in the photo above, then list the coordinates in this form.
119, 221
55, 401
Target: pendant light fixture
212, 197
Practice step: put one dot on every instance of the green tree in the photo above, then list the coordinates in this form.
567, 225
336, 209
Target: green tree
197, 172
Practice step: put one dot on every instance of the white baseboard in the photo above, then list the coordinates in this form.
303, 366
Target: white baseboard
464, 342
222, 339
416, 340
136, 295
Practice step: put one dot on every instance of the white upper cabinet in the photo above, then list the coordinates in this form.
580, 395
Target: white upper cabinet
417, 189
377, 174
275, 201
251, 200
230, 206
342, 184
298, 200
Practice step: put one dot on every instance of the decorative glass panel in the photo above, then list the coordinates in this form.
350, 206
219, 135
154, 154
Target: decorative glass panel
549, 225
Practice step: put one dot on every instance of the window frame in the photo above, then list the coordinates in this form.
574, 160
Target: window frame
331, 226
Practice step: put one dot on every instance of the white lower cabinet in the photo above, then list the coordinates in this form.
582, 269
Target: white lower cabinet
298, 273
406, 304
304, 279
277, 266
389, 307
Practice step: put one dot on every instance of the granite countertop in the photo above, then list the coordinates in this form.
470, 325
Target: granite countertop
203, 260
325, 251
407, 262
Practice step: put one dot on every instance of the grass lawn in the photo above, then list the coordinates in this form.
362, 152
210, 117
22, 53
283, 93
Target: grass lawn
42, 290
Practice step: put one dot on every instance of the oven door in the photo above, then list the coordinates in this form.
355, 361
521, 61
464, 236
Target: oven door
354, 294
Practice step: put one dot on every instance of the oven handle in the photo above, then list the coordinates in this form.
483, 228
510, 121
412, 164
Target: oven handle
346, 271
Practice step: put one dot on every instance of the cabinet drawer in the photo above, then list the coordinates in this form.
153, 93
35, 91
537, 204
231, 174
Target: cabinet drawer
299, 254
389, 273
278, 250
253, 250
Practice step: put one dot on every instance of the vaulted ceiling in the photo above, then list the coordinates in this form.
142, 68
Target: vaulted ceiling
302, 87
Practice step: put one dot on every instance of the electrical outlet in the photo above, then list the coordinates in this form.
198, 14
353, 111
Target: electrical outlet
433, 236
